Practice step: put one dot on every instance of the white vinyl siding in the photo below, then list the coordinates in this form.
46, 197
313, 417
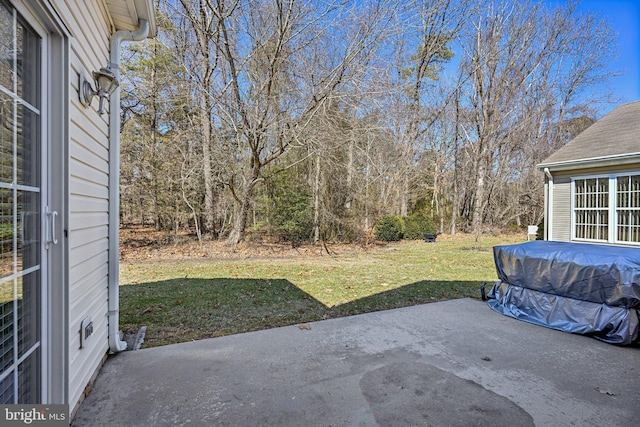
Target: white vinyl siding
88, 195
77, 171
561, 210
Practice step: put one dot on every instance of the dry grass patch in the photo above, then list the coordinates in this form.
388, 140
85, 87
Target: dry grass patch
181, 299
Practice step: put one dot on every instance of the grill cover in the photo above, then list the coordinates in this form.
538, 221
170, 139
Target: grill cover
574, 287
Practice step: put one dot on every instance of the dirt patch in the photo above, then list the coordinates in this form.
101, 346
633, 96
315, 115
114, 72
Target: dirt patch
476, 249
147, 244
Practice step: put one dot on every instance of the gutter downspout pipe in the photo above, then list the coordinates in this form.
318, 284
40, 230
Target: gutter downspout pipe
115, 344
548, 206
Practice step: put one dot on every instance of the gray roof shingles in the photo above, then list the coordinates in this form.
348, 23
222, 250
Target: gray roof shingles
616, 134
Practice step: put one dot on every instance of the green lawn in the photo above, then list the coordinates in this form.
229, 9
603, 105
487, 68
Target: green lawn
187, 300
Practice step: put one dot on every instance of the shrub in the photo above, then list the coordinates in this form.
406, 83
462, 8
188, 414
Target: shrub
417, 225
292, 217
540, 233
389, 228
515, 228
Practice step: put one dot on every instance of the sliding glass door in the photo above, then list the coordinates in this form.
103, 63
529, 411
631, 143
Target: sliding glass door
20, 209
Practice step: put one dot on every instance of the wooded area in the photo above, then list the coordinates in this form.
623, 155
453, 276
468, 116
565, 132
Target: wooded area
308, 120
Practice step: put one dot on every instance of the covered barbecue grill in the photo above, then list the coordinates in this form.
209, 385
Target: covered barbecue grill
573, 287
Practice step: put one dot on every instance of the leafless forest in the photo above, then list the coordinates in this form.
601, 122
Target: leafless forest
309, 119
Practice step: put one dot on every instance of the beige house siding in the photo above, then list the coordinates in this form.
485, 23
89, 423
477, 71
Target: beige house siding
561, 227
88, 194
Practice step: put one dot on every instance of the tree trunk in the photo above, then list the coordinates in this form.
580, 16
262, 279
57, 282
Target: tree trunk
479, 202
456, 168
316, 201
237, 234
205, 122
404, 195
349, 195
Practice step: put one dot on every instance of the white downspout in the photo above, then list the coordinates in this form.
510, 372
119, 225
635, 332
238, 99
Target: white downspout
115, 344
548, 221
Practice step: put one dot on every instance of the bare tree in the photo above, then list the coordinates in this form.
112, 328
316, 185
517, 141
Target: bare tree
151, 115
521, 86
344, 108
275, 74
202, 64
422, 46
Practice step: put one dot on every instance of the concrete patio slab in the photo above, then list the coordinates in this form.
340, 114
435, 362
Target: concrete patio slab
453, 363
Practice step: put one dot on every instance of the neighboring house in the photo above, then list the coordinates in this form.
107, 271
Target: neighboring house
59, 205
592, 189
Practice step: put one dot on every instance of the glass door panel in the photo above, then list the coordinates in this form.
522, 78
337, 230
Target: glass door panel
20, 210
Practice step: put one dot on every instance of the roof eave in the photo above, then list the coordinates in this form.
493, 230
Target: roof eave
126, 14
146, 11
595, 162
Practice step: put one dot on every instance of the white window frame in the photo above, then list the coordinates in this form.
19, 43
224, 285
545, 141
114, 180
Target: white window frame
612, 209
616, 209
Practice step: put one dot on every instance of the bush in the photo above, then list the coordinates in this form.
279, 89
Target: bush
515, 228
417, 225
293, 216
540, 233
389, 228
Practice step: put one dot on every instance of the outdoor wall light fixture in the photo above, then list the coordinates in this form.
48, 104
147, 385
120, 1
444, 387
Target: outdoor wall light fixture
105, 82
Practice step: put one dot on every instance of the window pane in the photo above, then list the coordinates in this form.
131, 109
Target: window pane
6, 324
603, 191
6, 232
591, 201
28, 229
622, 183
6, 138
6, 390
579, 193
628, 208
28, 73
29, 380
6, 48
28, 153
623, 199
28, 312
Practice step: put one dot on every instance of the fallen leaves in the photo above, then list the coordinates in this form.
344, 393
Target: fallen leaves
150, 309
305, 326
139, 243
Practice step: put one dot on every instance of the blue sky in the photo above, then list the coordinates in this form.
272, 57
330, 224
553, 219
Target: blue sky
624, 17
